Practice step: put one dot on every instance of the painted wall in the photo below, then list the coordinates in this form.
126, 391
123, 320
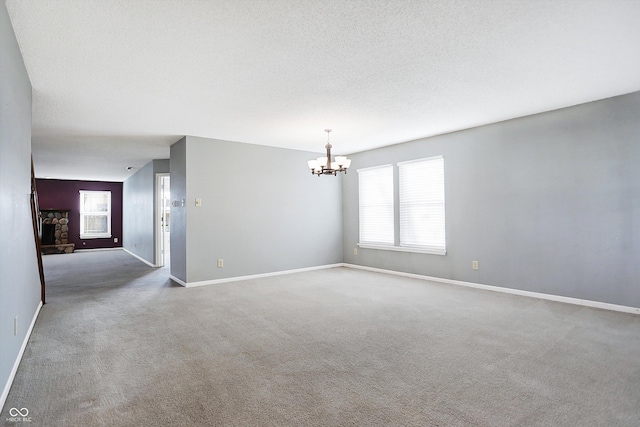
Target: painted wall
257, 218
19, 278
65, 194
548, 203
178, 219
137, 213
138, 209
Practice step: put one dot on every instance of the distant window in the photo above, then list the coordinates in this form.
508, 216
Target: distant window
95, 214
422, 224
376, 205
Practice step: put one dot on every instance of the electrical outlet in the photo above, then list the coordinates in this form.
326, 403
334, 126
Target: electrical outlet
474, 265
220, 263
355, 251
198, 203
115, 240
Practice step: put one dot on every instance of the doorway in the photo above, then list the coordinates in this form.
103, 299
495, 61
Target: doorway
163, 215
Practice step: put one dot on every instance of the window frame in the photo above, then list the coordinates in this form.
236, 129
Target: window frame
397, 244
107, 214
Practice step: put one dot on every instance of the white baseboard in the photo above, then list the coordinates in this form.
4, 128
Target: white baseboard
178, 281
12, 375
549, 297
98, 249
252, 276
139, 257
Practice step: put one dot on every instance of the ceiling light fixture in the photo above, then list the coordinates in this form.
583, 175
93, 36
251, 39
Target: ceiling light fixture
324, 165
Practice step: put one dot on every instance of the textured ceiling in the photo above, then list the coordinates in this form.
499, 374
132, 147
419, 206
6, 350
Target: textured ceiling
115, 82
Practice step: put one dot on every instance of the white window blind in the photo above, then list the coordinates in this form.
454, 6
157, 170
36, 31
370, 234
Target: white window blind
376, 205
422, 221
95, 214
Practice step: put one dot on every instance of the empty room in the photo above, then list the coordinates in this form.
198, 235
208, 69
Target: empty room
331, 213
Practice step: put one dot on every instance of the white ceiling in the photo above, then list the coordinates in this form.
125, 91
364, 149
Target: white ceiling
116, 82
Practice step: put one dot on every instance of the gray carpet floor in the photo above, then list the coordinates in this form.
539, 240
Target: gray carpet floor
118, 344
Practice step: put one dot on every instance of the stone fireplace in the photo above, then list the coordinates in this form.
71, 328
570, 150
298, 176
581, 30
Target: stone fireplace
55, 232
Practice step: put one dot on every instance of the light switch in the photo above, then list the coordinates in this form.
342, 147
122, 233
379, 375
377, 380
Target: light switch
198, 203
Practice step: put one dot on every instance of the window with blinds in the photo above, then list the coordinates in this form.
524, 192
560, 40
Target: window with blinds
422, 213
376, 205
95, 214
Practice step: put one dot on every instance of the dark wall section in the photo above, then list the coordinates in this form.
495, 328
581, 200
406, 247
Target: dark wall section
64, 194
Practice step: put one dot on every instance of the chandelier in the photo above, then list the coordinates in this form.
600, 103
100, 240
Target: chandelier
324, 165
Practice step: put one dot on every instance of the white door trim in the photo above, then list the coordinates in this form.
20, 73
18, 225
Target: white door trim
158, 232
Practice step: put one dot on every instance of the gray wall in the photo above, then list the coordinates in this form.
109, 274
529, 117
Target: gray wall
138, 210
137, 213
262, 210
19, 280
178, 219
546, 203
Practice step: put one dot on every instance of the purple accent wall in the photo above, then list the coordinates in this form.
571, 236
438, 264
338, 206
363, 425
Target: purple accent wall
65, 194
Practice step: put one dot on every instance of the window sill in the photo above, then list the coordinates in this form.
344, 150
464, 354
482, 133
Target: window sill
402, 249
95, 236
